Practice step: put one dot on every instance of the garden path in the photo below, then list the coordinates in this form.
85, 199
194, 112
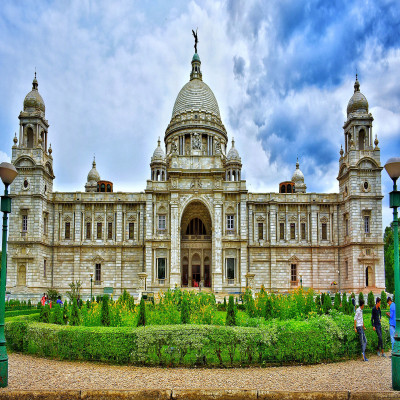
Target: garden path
33, 373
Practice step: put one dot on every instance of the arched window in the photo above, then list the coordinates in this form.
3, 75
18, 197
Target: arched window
102, 187
29, 138
361, 140
289, 188
196, 227
108, 187
283, 189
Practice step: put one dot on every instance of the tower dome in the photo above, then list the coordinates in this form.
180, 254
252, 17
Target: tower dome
298, 179
158, 154
358, 103
33, 100
93, 175
233, 154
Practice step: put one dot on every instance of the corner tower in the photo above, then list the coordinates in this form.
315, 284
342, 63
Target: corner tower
361, 263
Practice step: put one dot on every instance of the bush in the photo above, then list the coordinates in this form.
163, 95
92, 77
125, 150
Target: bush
142, 313
360, 297
371, 300
336, 302
231, 313
57, 315
45, 314
185, 317
74, 318
53, 295
318, 339
327, 304
105, 312
75, 289
383, 300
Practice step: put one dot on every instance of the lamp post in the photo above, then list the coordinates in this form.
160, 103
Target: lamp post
91, 282
393, 169
7, 174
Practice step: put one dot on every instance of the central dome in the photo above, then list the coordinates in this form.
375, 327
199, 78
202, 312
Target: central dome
196, 96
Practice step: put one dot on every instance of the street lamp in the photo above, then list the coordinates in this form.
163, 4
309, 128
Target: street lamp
393, 169
7, 174
91, 282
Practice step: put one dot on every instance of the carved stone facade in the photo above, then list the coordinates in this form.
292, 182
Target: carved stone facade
195, 225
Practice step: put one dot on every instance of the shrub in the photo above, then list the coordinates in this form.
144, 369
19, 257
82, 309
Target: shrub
185, 318
231, 313
336, 302
75, 289
383, 299
53, 294
371, 299
142, 313
45, 314
327, 304
74, 319
65, 312
105, 312
57, 315
360, 297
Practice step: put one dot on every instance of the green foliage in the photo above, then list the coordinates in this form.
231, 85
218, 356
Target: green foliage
142, 313
231, 313
57, 315
317, 339
127, 300
75, 289
337, 301
360, 297
45, 314
65, 312
29, 303
53, 294
327, 304
224, 305
105, 312
383, 299
74, 318
14, 313
371, 299
389, 258
185, 313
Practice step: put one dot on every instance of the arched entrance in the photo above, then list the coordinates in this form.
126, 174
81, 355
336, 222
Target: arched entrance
369, 277
196, 246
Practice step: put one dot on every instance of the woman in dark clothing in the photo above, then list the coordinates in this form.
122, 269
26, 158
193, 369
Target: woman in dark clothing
376, 325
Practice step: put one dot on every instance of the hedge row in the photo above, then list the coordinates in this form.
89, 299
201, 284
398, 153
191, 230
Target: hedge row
28, 311
320, 339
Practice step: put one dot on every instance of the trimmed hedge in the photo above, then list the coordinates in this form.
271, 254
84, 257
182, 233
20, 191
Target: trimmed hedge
28, 311
319, 339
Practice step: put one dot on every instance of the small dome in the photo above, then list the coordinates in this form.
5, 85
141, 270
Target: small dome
158, 154
298, 176
93, 175
196, 57
233, 154
358, 102
33, 100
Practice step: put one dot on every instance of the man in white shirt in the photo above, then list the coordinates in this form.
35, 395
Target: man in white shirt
359, 328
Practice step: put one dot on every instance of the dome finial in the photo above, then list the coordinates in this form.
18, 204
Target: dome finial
356, 84
297, 163
35, 82
159, 142
233, 142
94, 161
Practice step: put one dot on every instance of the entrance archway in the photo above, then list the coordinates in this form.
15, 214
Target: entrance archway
369, 277
196, 246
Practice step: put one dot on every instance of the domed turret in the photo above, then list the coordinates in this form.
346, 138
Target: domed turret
233, 154
233, 164
158, 164
92, 178
158, 154
358, 103
33, 100
298, 179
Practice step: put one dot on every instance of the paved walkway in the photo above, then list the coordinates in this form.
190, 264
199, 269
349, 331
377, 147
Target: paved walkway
32, 373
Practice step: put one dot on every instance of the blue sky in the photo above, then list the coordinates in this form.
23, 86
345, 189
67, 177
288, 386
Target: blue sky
282, 72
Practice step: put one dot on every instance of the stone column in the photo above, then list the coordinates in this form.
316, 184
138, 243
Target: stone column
217, 248
175, 279
148, 239
244, 267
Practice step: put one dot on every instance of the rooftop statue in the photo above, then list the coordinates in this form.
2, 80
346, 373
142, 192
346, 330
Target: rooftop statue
195, 40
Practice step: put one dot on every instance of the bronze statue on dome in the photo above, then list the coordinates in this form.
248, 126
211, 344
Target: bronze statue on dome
195, 40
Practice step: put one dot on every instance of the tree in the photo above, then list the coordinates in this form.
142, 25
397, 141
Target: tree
383, 299
75, 290
327, 304
371, 300
75, 318
389, 258
58, 315
231, 312
185, 317
105, 312
142, 313
360, 297
45, 314
336, 302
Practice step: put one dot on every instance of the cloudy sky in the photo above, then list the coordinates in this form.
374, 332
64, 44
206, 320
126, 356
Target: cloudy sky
282, 72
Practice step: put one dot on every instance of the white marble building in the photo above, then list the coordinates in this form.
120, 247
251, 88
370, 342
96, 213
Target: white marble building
195, 224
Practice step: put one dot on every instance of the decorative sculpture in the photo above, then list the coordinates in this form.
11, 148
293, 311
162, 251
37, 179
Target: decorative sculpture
195, 40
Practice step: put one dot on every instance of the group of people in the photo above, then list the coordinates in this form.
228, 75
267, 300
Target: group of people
376, 316
45, 300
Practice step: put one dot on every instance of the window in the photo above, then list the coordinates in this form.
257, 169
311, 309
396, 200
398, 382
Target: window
230, 222
347, 227
196, 227
282, 231
44, 268
162, 222
324, 231
99, 230
260, 231
230, 268
67, 230
303, 231
131, 227
110, 231
292, 231
293, 272
24, 223
97, 273
161, 268
88, 230
45, 226
366, 224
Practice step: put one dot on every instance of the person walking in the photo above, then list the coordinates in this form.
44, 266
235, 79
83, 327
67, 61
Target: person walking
359, 328
376, 325
392, 319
